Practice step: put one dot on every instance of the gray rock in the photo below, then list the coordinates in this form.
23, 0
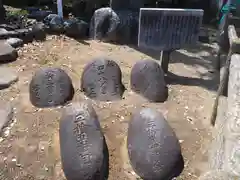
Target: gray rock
84, 152
153, 148
6, 114
8, 27
147, 79
7, 53
102, 80
55, 23
38, 31
104, 24
14, 42
4, 33
75, 28
7, 77
25, 34
50, 87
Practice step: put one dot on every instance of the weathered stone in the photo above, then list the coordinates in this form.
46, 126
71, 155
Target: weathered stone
101, 80
84, 152
38, 31
14, 42
7, 53
55, 22
8, 27
216, 175
75, 28
25, 34
147, 79
104, 24
153, 148
50, 87
4, 34
7, 77
6, 114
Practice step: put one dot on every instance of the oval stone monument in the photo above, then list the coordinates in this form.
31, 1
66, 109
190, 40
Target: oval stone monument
153, 148
50, 87
102, 80
84, 152
147, 79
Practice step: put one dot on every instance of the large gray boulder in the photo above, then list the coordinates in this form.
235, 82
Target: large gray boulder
50, 87
153, 148
75, 28
84, 152
7, 77
102, 80
55, 23
7, 53
104, 24
14, 42
38, 31
4, 34
147, 79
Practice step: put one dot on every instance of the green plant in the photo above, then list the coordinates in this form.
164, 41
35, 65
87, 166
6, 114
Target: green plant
17, 13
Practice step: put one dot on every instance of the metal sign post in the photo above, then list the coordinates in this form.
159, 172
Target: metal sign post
166, 30
60, 8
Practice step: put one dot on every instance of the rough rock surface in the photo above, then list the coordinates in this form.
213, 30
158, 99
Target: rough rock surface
153, 148
83, 148
14, 42
4, 33
7, 77
55, 22
104, 24
38, 31
6, 114
50, 87
7, 53
147, 79
102, 80
25, 34
75, 28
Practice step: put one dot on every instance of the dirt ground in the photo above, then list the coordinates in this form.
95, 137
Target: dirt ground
29, 147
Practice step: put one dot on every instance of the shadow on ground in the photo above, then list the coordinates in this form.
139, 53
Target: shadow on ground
199, 56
